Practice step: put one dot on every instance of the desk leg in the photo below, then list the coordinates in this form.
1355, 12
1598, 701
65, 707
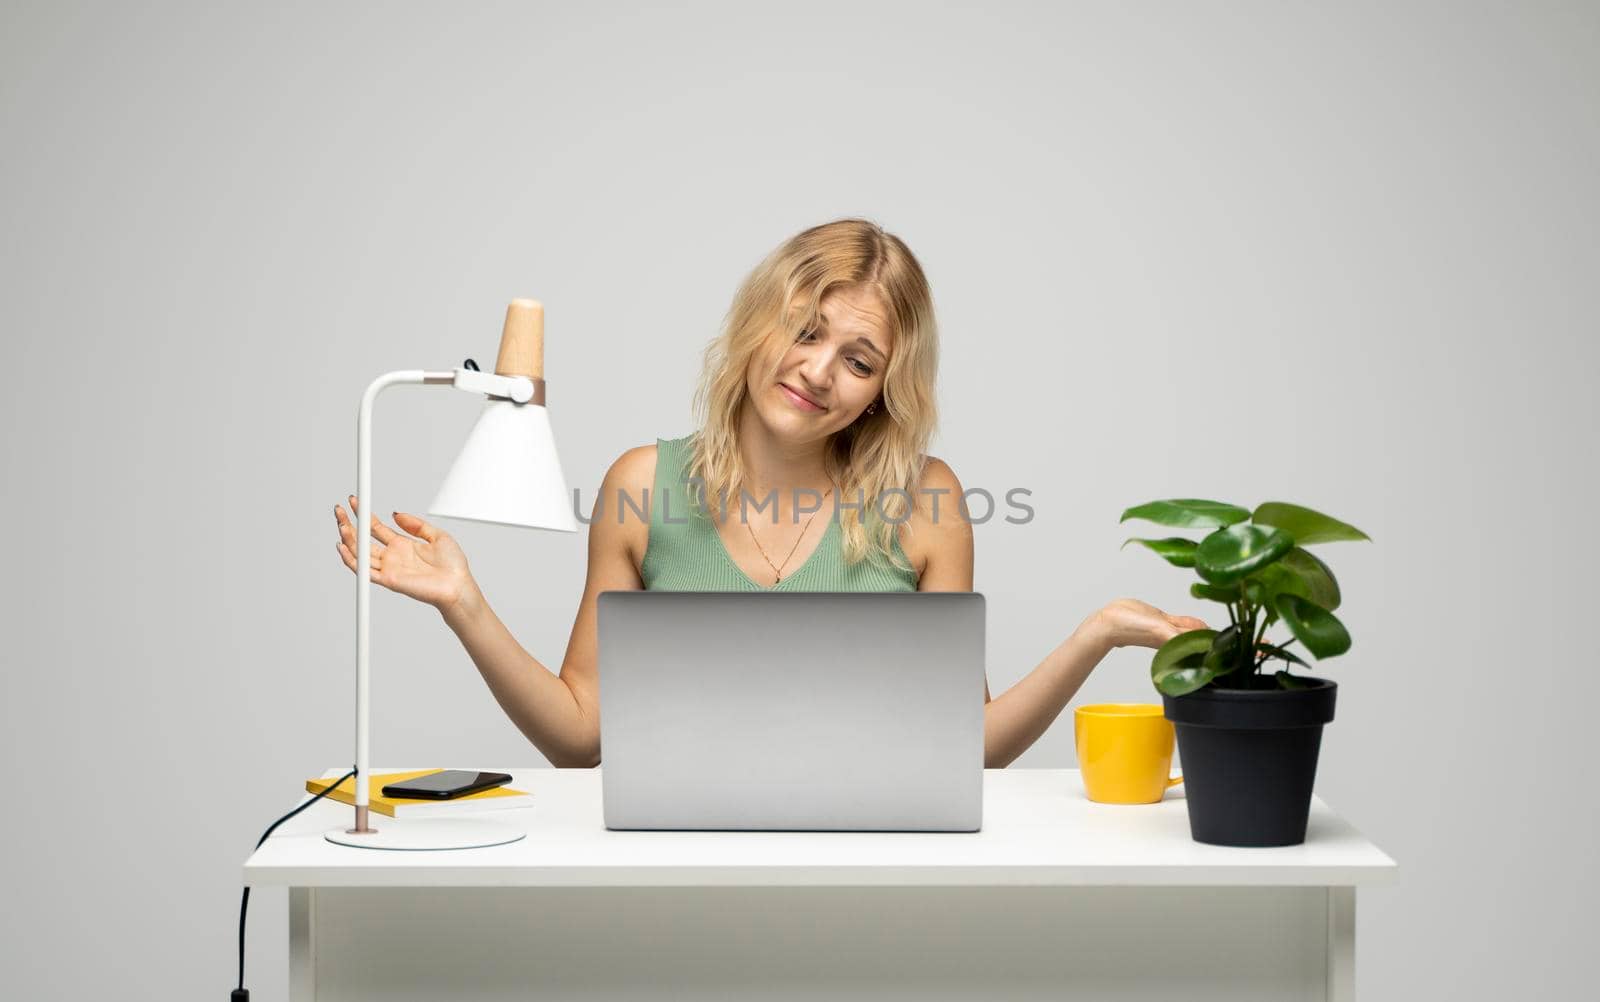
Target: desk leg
302, 944
1341, 944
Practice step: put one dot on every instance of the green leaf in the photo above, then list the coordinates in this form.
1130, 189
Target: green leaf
1215, 593
1321, 587
1271, 581
1299, 572
1188, 513
1227, 555
1274, 651
1175, 550
1314, 626
1185, 677
1288, 681
1177, 669
1227, 652
1305, 525
1257, 590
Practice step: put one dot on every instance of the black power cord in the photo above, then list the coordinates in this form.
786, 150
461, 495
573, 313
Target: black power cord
241, 994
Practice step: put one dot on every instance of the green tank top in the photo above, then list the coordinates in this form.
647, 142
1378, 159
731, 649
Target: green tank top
685, 553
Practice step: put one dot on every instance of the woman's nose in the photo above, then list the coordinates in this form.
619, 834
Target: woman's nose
816, 365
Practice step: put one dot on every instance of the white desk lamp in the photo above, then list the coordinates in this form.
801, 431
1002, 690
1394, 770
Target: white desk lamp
508, 472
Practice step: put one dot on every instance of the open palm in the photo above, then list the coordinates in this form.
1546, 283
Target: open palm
1128, 622
422, 561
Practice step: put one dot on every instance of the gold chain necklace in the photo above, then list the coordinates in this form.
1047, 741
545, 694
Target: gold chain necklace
777, 570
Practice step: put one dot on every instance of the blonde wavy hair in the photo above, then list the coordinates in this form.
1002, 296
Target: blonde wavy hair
879, 458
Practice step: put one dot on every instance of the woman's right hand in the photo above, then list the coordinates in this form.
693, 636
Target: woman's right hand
427, 564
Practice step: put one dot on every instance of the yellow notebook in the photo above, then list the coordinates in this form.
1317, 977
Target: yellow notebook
496, 798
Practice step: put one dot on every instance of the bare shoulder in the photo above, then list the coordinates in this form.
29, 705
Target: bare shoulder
937, 474
634, 469
615, 523
939, 500
937, 537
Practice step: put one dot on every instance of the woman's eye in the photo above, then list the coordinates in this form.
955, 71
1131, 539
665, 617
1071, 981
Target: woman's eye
856, 364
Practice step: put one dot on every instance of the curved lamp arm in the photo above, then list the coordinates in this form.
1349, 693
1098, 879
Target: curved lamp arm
520, 389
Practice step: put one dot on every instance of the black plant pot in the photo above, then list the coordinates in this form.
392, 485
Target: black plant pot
1249, 760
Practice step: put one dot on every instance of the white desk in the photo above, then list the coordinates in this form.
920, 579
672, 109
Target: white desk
1055, 898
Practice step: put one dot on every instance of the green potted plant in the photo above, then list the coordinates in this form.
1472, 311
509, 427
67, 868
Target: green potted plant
1248, 733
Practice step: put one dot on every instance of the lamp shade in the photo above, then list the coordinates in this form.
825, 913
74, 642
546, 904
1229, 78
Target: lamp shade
508, 472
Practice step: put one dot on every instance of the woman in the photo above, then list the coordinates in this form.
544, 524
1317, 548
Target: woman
817, 397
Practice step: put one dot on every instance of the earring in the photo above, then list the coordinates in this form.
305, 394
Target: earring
872, 408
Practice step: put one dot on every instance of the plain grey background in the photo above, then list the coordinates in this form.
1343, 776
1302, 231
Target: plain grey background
1339, 254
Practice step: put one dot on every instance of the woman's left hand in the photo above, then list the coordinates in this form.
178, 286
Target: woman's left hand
1128, 622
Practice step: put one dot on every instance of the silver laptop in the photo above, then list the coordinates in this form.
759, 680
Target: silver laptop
792, 711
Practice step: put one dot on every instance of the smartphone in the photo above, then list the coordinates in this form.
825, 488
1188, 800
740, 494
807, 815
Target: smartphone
447, 784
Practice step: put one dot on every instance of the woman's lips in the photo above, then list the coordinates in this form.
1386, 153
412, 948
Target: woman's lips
798, 400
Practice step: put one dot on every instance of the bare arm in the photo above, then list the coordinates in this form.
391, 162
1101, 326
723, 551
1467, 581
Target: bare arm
1012, 723
557, 712
1021, 714
560, 713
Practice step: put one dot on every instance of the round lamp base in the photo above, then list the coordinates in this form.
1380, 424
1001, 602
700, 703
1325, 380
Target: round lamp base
429, 834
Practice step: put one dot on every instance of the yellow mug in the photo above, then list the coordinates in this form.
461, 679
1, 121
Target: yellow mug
1124, 752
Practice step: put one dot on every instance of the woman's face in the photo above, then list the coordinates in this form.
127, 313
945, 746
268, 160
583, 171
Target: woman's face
829, 375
